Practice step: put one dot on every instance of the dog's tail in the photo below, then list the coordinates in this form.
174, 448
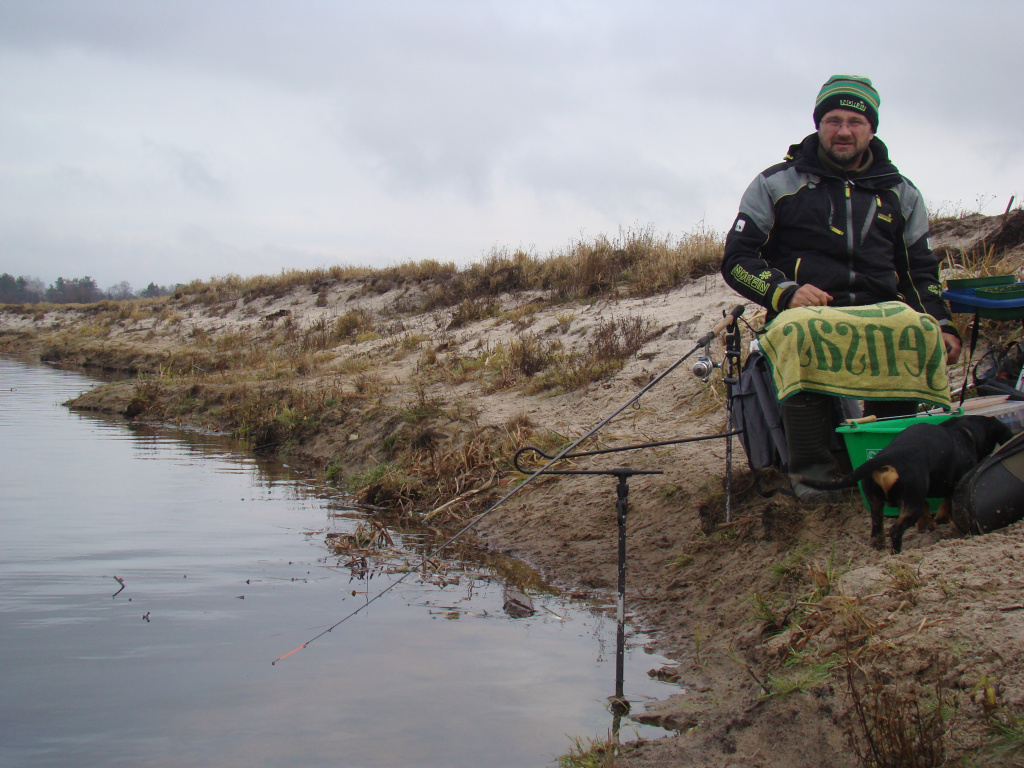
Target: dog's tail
847, 481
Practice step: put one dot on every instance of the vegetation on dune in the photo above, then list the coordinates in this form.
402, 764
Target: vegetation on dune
636, 263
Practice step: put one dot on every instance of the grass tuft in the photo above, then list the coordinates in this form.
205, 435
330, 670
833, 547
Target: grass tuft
894, 727
591, 753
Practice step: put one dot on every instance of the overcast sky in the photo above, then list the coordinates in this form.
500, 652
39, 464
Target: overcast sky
165, 141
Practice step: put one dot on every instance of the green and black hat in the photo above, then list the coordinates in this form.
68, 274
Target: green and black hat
851, 92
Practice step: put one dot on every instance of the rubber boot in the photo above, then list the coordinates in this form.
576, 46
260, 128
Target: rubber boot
807, 420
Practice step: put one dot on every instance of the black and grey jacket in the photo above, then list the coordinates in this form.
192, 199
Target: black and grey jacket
863, 239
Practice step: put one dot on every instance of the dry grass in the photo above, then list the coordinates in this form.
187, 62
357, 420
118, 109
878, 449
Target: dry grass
538, 362
637, 262
420, 456
893, 727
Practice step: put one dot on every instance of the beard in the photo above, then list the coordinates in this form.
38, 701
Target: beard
845, 155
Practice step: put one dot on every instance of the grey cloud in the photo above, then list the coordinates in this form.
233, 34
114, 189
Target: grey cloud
192, 168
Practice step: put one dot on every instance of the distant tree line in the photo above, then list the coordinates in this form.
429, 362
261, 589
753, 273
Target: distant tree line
77, 290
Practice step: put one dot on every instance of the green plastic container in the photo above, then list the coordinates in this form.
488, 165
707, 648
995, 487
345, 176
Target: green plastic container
959, 283
866, 439
1001, 292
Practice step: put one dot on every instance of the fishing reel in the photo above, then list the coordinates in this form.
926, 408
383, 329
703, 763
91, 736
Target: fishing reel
704, 366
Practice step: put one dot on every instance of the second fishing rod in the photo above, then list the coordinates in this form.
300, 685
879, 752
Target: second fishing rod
729, 319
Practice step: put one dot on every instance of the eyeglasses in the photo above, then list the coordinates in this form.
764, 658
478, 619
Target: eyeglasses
854, 123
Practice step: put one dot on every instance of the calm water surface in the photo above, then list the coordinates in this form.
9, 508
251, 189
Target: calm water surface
224, 567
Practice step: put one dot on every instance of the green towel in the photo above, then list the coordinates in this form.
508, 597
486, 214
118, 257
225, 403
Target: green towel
881, 351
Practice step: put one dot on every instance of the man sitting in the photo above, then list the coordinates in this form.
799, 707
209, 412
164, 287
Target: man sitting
835, 225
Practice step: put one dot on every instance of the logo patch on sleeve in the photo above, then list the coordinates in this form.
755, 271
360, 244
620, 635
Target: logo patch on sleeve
740, 224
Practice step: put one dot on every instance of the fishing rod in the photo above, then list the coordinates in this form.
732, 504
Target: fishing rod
728, 319
618, 449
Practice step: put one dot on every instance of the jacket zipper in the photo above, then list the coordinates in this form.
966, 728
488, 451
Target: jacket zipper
849, 221
870, 218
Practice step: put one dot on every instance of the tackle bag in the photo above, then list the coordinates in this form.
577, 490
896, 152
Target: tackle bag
755, 410
992, 495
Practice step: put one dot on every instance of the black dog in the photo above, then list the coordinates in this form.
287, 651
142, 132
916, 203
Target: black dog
922, 461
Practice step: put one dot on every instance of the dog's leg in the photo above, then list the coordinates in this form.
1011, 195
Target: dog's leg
909, 514
945, 511
925, 522
876, 503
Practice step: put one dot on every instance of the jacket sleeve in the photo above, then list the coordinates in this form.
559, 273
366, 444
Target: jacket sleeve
744, 266
919, 275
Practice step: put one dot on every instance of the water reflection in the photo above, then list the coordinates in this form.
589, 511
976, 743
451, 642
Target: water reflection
224, 566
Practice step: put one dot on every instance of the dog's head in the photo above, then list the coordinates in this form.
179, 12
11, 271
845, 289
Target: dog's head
986, 432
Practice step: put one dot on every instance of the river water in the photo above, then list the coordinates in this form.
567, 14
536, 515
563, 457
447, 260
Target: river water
224, 568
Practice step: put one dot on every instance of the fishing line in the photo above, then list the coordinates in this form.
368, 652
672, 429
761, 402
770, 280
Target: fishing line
702, 342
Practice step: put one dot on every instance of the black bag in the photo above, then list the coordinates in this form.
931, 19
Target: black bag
992, 495
998, 371
755, 410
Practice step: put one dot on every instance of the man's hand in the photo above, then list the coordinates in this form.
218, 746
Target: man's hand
809, 296
952, 348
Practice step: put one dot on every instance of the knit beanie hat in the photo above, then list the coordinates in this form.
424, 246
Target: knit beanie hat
851, 92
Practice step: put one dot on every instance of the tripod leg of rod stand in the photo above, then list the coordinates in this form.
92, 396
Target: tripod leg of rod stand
970, 355
728, 472
733, 344
619, 705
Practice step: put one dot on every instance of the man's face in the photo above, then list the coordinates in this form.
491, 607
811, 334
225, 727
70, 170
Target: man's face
844, 136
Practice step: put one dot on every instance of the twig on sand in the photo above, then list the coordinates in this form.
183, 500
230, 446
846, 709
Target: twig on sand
463, 497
